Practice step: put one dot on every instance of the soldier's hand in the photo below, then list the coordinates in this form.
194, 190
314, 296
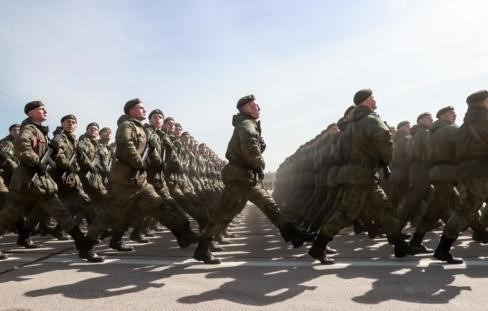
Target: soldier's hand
260, 173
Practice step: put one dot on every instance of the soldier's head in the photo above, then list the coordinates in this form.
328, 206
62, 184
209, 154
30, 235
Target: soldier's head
156, 119
425, 120
178, 130
203, 149
185, 138
332, 129
36, 111
69, 123
92, 130
14, 130
404, 127
479, 98
247, 105
134, 108
169, 125
447, 114
349, 112
364, 98
105, 135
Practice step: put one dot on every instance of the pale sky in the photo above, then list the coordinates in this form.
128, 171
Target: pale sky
303, 60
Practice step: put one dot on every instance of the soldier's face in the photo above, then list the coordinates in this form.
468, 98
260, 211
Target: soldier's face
177, 131
15, 132
406, 128
92, 131
157, 120
69, 126
484, 104
138, 112
106, 136
252, 109
39, 114
449, 116
169, 126
372, 103
427, 121
333, 130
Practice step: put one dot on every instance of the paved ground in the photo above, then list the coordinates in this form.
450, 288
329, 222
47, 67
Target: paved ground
259, 272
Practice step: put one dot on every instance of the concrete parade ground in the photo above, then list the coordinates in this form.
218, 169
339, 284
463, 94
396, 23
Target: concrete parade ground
259, 272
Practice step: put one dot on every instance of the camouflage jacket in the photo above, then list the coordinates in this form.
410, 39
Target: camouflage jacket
443, 137
30, 146
243, 150
8, 161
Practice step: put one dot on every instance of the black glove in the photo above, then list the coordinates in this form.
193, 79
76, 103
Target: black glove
41, 169
262, 144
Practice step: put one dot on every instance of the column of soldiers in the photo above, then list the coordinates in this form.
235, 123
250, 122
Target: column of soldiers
111, 187
437, 174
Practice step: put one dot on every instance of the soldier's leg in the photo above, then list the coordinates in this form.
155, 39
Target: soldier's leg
417, 193
472, 196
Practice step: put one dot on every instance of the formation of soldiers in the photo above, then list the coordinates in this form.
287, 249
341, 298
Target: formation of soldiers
157, 174
438, 173
153, 174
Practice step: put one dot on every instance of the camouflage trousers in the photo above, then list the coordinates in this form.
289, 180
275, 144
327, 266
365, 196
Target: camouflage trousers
234, 199
473, 194
444, 200
419, 191
128, 202
350, 204
18, 205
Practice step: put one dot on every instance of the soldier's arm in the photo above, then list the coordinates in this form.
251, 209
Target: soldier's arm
62, 160
126, 149
82, 155
382, 140
250, 147
24, 146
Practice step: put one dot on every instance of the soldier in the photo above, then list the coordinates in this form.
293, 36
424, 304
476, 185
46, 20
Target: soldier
106, 153
243, 181
472, 152
130, 194
443, 175
419, 155
32, 185
370, 149
399, 164
8, 161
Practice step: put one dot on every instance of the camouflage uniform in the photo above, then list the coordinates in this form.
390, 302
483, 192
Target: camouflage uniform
8, 164
371, 145
130, 193
399, 169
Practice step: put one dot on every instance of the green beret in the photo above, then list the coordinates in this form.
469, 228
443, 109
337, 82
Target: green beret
403, 123
105, 129
92, 124
185, 134
156, 111
341, 123
477, 97
348, 110
361, 96
169, 119
423, 115
32, 105
70, 117
178, 126
131, 103
444, 110
244, 100
11, 127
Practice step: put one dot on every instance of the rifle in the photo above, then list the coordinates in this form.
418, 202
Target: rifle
45, 161
143, 159
71, 162
96, 162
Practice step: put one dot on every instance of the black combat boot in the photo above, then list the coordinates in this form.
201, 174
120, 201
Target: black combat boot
116, 242
442, 251
78, 236
185, 236
220, 239
136, 235
290, 233
86, 251
3, 256
401, 248
227, 234
417, 246
24, 239
480, 236
317, 251
202, 253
